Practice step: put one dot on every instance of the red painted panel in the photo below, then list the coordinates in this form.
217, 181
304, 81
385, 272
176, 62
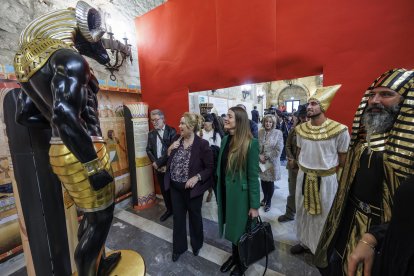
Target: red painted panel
198, 45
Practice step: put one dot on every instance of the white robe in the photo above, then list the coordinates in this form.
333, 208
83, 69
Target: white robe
318, 155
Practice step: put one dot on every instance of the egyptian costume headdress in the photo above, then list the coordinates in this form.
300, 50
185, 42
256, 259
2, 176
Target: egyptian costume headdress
53, 31
398, 156
329, 128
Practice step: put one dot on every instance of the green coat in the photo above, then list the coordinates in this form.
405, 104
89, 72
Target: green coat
242, 193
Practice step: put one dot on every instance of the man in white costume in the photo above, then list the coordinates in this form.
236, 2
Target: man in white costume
322, 146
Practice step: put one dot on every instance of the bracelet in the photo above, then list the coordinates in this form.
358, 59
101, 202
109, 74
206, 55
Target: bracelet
93, 167
369, 244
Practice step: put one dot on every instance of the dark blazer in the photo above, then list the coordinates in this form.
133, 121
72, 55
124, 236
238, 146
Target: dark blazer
201, 161
169, 134
255, 116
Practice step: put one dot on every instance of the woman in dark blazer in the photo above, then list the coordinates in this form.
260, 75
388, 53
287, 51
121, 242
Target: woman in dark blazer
238, 190
189, 174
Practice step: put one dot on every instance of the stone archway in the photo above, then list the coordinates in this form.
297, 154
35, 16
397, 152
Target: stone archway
295, 91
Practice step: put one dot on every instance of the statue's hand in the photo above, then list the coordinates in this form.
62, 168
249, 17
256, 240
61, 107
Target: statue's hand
100, 179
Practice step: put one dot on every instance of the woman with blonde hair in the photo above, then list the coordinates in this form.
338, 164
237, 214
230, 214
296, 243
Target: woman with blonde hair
238, 192
189, 174
271, 147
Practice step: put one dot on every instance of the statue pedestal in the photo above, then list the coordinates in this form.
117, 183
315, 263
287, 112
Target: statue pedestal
130, 264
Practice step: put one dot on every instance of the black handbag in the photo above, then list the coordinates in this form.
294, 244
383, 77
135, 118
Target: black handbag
256, 243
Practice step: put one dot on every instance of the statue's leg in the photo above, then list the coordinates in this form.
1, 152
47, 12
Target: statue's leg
82, 227
93, 239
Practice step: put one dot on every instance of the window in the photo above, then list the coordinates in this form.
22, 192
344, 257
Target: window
292, 105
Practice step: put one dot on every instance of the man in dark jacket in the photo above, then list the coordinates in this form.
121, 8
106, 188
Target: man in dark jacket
253, 125
159, 139
255, 115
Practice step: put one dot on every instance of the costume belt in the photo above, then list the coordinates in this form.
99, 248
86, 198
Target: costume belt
366, 208
310, 188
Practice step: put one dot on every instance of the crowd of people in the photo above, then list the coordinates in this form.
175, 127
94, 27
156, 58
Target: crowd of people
344, 190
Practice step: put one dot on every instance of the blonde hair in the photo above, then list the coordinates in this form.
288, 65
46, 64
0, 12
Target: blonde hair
272, 117
240, 142
193, 120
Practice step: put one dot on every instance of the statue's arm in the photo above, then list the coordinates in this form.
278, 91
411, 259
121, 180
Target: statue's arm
27, 114
70, 91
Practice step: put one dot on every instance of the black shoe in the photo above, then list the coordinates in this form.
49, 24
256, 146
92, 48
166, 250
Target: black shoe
262, 203
284, 218
298, 249
267, 208
175, 257
227, 265
196, 252
238, 270
166, 215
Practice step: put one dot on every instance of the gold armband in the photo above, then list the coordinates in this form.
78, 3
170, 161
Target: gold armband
93, 167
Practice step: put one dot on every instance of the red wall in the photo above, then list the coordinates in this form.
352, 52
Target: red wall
193, 45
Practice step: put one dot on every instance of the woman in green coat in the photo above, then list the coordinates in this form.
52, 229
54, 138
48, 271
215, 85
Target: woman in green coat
238, 192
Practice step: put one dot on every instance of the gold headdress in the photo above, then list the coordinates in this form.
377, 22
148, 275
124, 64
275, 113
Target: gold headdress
54, 31
324, 96
398, 142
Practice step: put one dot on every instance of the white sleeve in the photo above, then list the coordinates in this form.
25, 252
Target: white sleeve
342, 141
218, 140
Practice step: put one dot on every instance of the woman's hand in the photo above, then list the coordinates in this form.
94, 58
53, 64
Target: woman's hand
191, 182
262, 158
174, 146
253, 213
363, 253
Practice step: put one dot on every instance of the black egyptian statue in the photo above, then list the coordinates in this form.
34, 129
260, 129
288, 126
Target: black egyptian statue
59, 91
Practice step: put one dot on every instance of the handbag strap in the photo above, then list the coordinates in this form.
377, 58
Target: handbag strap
248, 228
267, 257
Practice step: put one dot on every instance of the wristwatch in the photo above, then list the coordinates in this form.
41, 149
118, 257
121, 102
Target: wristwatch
199, 177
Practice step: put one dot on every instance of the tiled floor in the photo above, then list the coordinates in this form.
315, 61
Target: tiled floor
143, 232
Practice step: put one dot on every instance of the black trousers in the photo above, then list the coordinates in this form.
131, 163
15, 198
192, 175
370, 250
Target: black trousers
182, 203
268, 188
165, 194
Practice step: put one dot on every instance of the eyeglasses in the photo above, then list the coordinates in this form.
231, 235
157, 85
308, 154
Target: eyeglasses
156, 120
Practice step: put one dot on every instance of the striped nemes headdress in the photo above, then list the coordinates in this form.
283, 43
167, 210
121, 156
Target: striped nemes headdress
398, 146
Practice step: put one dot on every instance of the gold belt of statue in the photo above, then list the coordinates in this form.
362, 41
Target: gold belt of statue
311, 195
74, 176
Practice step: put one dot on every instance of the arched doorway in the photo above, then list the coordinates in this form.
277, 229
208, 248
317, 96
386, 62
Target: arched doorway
292, 96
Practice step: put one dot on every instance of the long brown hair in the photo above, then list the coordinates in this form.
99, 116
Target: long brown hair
240, 142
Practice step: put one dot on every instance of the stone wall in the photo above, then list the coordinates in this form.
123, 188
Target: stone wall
309, 84
16, 14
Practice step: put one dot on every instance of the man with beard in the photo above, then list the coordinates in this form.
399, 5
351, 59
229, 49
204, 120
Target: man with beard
379, 159
322, 146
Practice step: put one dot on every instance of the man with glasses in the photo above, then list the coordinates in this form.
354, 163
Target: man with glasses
159, 139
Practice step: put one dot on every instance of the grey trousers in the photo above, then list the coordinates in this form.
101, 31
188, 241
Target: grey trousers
290, 204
